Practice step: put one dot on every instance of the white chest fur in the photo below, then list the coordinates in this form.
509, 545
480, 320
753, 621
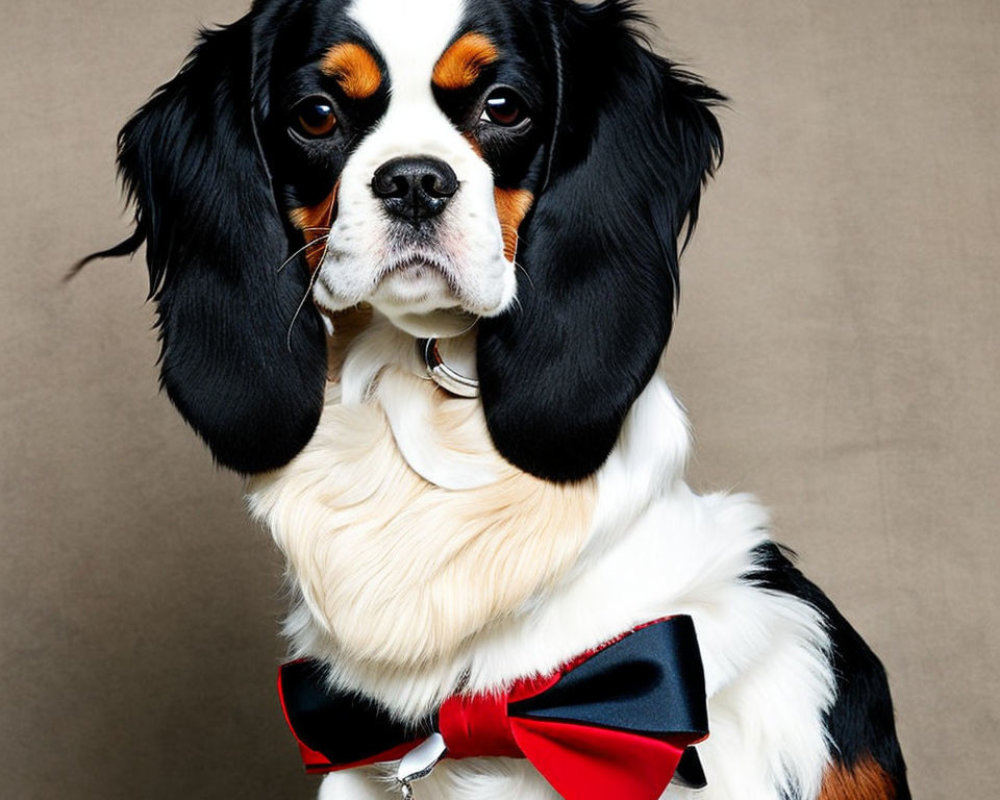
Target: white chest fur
424, 561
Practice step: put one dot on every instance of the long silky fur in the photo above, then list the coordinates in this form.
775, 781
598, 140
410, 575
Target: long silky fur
248, 380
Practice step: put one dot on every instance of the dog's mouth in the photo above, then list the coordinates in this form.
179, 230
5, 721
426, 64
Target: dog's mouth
418, 281
416, 270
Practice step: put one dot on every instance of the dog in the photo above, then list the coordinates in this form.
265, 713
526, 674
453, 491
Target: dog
415, 265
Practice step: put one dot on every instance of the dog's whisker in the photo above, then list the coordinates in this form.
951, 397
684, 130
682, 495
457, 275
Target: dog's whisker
524, 272
302, 304
301, 250
472, 325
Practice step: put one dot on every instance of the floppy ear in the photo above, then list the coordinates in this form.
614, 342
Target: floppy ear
635, 141
243, 370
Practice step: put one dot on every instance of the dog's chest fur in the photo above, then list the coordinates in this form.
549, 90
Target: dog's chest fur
427, 565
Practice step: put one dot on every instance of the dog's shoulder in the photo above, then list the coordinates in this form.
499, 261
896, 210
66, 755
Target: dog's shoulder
860, 723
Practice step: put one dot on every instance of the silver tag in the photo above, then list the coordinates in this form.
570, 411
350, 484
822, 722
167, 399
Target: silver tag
419, 762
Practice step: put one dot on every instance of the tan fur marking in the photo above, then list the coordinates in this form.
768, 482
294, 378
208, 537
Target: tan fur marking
513, 206
460, 65
354, 68
866, 781
314, 222
430, 567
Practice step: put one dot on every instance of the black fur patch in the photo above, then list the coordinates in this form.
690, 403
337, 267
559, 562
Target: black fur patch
246, 378
861, 723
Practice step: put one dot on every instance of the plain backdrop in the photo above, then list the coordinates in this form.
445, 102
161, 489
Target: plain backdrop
837, 348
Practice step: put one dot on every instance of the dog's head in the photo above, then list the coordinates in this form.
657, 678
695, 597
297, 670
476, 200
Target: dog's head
525, 163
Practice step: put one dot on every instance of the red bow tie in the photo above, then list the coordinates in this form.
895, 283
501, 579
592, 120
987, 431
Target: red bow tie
615, 722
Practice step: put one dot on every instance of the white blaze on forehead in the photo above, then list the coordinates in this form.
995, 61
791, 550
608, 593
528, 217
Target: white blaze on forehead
368, 250
411, 36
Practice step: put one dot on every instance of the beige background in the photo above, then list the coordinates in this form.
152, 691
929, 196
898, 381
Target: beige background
837, 348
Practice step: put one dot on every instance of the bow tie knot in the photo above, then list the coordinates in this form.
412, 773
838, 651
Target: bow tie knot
477, 726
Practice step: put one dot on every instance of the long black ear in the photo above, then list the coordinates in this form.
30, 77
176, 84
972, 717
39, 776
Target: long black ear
635, 141
243, 370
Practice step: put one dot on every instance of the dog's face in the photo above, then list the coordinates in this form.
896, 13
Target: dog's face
524, 166
406, 142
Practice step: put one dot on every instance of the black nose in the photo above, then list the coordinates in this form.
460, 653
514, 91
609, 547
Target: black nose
415, 188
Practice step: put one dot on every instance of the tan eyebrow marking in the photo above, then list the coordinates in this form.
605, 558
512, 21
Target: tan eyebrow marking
354, 68
513, 206
461, 64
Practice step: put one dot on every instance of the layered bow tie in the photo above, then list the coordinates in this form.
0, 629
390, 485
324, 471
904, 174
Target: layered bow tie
614, 722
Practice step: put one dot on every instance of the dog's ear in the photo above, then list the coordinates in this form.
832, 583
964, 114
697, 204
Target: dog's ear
242, 366
635, 140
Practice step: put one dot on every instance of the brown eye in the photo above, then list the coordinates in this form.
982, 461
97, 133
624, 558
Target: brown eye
504, 108
315, 117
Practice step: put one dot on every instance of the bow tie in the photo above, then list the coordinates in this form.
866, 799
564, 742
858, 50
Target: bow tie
614, 722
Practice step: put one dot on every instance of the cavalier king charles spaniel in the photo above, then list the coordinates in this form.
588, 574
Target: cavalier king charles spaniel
415, 264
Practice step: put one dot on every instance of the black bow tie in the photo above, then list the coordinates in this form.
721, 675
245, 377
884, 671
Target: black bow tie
615, 722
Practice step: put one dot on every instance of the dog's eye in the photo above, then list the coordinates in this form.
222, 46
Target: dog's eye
315, 118
504, 108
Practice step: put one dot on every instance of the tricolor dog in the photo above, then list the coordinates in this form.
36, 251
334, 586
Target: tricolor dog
415, 264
